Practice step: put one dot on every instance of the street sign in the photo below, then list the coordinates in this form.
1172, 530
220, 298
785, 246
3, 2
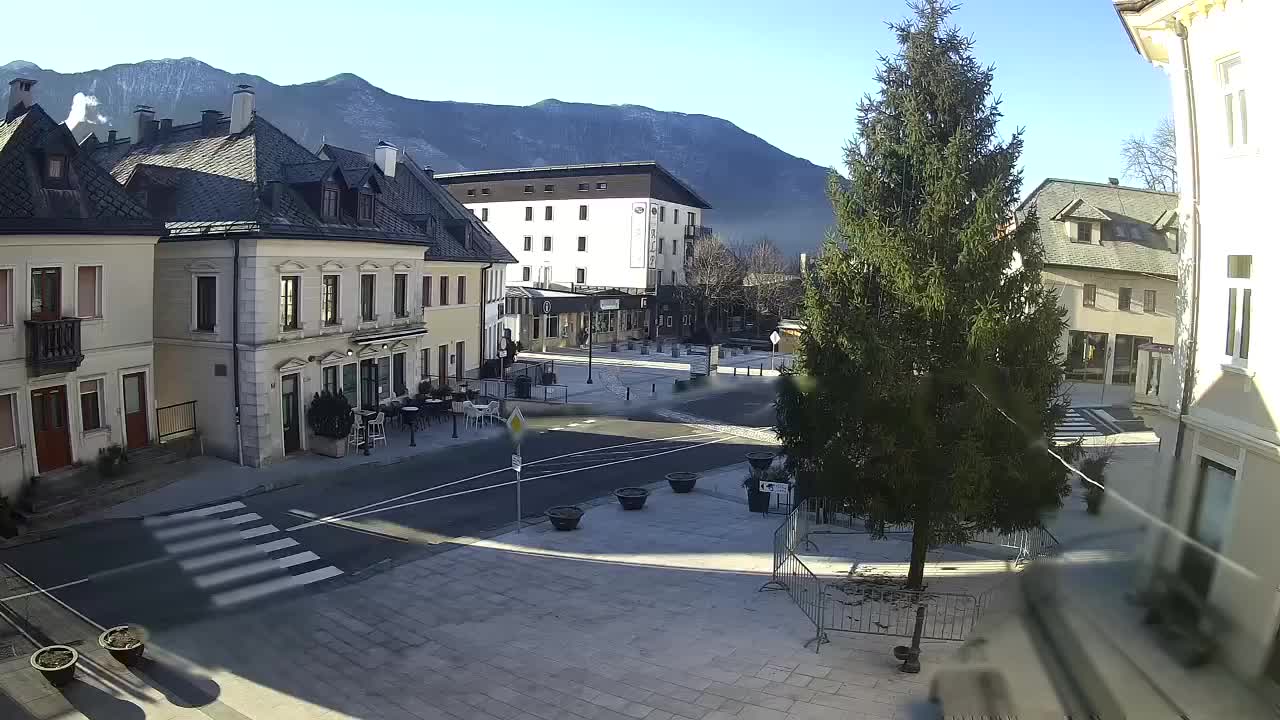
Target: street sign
546, 307
774, 337
515, 462
516, 426
609, 304
775, 488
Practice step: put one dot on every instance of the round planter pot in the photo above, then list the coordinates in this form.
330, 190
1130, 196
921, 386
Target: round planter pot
758, 502
682, 482
130, 652
761, 460
631, 498
61, 674
564, 517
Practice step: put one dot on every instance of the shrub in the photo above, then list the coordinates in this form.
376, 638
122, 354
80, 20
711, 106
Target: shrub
110, 460
424, 387
1095, 466
774, 473
329, 415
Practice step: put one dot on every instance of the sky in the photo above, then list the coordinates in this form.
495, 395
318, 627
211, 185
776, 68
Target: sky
789, 71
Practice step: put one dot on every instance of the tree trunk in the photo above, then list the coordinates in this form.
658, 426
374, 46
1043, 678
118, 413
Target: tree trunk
919, 553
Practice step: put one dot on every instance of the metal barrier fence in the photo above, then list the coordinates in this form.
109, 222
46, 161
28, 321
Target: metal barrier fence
505, 390
176, 420
866, 607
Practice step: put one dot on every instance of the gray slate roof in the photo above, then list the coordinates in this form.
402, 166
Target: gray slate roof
1149, 210
93, 201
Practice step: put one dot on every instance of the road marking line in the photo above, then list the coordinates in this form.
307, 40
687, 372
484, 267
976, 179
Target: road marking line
54, 598
301, 558
161, 520
275, 585
259, 531
330, 521
346, 513
204, 526
225, 556
211, 541
240, 572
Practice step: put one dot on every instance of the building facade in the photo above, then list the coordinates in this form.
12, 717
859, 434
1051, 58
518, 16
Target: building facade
1111, 253
285, 272
76, 357
1215, 404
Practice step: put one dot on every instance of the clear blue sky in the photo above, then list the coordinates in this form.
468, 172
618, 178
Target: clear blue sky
790, 71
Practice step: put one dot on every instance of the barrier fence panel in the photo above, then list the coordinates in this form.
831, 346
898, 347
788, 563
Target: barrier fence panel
175, 420
862, 607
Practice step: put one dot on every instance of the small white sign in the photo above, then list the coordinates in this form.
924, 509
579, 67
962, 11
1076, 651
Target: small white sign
774, 337
609, 304
776, 488
515, 462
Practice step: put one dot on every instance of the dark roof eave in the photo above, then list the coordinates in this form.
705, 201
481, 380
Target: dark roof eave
65, 226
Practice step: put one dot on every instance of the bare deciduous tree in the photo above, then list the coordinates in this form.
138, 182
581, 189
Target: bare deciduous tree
713, 278
1153, 161
768, 287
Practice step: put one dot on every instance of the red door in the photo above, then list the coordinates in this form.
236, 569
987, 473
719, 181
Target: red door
49, 423
135, 411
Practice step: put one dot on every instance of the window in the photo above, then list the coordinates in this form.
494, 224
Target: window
528, 212
537, 326
1210, 519
1126, 298
662, 244
289, 285
6, 297
662, 213
1090, 295
365, 207
548, 188
444, 290
484, 191
525, 273
397, 374
1148, 301
1231, 75
553, 325
688, 248
329, 300
1239, 297
400, 295
1086, 355
528, 242
91, 404
693, 219
673, 277
462, 289
547, 213
424, 365
1084, 233
546, 243
46, 293
329, 203
89, 292
329, 379
8, 422
583, 187
368, 311
528, 188
57, 167
675, 216
582, 275
426, 291
484, 214
349, 383
384, 378
669, 320
582, 212
459, 363
582, 243
602, 186
471, 192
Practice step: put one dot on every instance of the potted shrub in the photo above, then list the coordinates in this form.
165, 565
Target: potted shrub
564, 517
613, 346
329, 417
126, 643
1095, 466
424, 387
682, 482
111, 460
644, 349
57, 663
524, 387
761, 459
631, 498
758, 501
548, 378
631, 344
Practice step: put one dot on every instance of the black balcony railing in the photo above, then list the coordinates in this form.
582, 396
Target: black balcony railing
53, 346
696, 232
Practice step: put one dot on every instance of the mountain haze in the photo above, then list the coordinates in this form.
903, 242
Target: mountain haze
754, 188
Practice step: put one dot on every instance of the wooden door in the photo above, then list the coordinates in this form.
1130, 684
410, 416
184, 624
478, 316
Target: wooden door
289, 404
443, 364
46, 293
136, 433
49, 424
459, 362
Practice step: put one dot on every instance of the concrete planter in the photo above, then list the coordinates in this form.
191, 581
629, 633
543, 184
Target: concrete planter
758, 502
631, 498
125, 643
761, 460
57, 670
564, 517
682, 482
329, 447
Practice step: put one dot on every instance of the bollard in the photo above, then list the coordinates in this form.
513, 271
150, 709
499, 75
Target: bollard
654, 389
910, 656
735, 371
628, 393
761, 369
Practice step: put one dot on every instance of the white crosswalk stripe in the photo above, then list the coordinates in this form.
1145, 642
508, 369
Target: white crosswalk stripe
1073, 427
235, 555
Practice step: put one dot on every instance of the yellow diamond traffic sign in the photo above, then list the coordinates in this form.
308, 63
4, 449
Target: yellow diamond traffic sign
516, 426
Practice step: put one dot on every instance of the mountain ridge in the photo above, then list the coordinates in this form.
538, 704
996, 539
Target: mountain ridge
754, 187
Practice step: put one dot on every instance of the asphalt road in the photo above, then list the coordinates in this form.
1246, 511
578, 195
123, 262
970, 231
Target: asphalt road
167, 571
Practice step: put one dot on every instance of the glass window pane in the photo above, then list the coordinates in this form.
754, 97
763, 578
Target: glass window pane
1231, 321
1244, 118
384, 378
1230, 119
8, 429
1244, 324
1239, 266
132, 393
87, 291
349, 383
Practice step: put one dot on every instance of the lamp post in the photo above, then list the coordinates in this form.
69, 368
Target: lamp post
591, 331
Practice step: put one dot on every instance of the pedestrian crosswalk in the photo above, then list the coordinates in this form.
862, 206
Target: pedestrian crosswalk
234, 555
1074, 426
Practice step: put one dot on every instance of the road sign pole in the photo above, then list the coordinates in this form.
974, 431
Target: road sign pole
519, 501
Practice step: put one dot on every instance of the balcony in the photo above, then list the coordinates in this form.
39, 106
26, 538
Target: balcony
696, 232
53, 346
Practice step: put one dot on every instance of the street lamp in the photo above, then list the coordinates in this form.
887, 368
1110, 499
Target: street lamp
591, 331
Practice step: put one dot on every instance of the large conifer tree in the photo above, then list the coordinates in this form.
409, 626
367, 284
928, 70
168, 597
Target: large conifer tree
928, 376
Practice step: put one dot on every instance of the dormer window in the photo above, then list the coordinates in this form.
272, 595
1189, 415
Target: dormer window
57, 167
329, 203
365, 207
1084, 233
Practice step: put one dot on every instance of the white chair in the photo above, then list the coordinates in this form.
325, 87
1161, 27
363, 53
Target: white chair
377, 430
355, 438
491, 412
471, 414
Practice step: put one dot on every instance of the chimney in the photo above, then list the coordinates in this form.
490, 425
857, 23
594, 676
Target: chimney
804, 262
1113, 181
427, 169
111, 137
385, 156
19, 97
241, 108
142, 123
209, 122
166, 129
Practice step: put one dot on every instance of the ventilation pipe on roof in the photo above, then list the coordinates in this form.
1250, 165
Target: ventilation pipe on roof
385, 156
241, 108
209, 122
142, 118
20, 97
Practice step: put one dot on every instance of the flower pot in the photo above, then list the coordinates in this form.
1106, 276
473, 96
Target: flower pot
631, 345
125, 643
758, 502
631, 498
644, 349
57, 663
613, 346
761, 460
682, 482
329, 447
564, 517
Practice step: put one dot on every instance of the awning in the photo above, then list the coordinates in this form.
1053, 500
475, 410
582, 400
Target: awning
382, 335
